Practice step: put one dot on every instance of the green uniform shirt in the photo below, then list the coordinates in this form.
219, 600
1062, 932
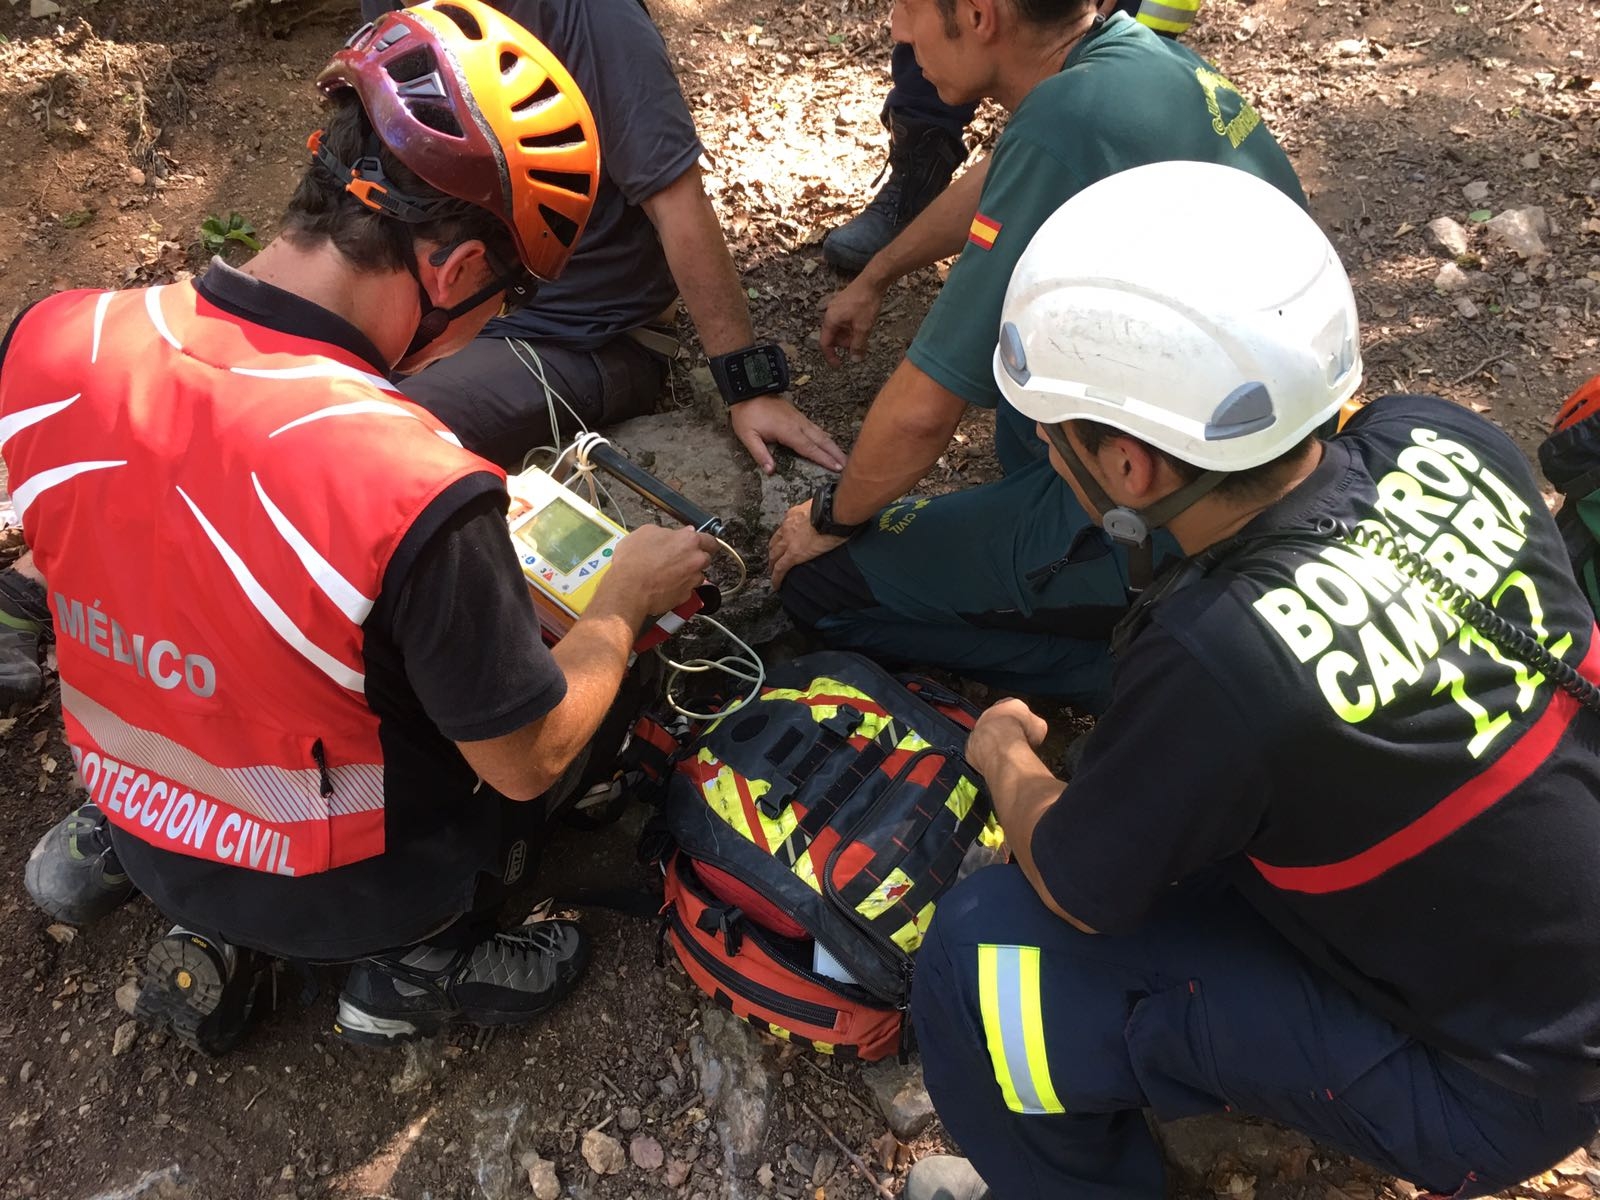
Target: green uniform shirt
1125, 97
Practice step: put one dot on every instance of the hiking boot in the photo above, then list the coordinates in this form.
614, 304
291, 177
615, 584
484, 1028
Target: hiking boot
24, 626
203, 991
73, 873
507, 979
945, 1177
921, 160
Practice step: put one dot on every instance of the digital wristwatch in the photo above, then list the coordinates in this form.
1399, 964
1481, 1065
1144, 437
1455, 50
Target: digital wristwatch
822, 512
760, 370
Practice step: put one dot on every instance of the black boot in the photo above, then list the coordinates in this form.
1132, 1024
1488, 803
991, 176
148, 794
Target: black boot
24, 625
922, 158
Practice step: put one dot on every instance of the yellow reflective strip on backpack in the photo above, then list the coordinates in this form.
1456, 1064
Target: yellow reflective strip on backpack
777, 1031
822, 1047
722, 795
820, 687
909, 936
962, 797
883, 897
1013, 1026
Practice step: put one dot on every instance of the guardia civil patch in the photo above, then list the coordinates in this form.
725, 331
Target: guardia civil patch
983, 231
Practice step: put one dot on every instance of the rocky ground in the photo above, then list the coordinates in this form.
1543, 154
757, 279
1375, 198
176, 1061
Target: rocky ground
1448, 147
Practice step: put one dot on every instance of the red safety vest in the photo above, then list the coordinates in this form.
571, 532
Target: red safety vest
213, 505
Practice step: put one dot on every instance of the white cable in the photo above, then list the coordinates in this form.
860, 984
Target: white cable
748, 668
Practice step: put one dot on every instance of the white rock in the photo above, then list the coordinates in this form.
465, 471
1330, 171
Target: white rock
1466, 308
128, 996
122, 1040
1518, 230
1451, 278
543, 1180
603, 1153
1530, 160
1351, 47
1477, 191
43, 8
1448, 235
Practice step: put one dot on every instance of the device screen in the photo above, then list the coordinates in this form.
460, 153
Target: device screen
758, 371
563, 536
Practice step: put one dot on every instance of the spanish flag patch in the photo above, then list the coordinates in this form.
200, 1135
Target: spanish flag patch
983, 232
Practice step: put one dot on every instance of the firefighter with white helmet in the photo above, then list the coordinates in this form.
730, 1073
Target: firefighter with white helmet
1289, 875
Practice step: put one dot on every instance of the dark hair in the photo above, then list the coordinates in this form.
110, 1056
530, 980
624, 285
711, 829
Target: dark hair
322, 210
1045, 13
1251, 484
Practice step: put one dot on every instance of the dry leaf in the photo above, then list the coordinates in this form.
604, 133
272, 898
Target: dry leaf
62, 933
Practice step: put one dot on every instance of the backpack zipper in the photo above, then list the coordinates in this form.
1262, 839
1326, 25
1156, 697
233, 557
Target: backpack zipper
802, 1011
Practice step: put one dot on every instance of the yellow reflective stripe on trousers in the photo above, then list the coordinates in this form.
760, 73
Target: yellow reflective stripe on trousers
1169, 16
1013, 1025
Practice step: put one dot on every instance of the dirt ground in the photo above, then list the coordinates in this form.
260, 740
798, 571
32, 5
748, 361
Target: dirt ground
126, 124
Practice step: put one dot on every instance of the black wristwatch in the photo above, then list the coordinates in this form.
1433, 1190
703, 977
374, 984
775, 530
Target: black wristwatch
822, 512
761, 370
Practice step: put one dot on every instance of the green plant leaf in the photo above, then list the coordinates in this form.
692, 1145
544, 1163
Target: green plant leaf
836, 39
76, 218
1479, 214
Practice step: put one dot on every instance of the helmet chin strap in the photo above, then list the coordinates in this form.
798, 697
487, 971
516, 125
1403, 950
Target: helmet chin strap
435, 320
1126, 526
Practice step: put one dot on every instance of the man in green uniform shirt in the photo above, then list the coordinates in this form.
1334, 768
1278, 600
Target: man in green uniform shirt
1009, 582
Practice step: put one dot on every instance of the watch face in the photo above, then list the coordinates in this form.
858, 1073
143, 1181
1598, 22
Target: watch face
758, 371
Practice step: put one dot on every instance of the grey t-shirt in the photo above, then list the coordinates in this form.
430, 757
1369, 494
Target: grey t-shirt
618, 278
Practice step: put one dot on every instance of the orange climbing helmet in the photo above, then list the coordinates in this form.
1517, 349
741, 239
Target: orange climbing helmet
482, 111
1581, 405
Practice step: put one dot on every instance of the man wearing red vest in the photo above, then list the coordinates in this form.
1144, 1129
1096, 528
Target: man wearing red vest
293, 637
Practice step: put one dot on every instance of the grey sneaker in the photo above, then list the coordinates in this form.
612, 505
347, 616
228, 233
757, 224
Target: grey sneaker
921, 160
508, 979
945, 1177
73, 873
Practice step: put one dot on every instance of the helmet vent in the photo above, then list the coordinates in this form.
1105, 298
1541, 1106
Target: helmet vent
468, 23
1247, 409
508, 62
564, 227
546, 93
414, 65
437, 117
570, 136
567, 181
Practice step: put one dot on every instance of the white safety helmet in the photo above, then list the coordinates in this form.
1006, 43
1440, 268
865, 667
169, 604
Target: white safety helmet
1224, 342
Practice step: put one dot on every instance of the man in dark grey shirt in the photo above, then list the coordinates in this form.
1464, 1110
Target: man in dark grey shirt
595, 338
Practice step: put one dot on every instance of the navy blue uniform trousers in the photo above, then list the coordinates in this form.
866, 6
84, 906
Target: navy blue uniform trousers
1041, 1045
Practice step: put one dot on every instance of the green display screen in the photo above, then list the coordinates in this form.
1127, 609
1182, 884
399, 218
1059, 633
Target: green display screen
758, 371
563, 536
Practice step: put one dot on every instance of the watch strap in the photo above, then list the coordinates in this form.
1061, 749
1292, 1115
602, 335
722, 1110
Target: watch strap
822, 519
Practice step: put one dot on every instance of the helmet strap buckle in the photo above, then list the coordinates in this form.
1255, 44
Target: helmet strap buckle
1126, 526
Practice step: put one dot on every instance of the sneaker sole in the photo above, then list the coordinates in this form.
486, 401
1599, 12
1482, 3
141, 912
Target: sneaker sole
369, 1029
182, 988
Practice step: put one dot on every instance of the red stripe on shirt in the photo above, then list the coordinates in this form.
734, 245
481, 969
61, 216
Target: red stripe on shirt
1476, 796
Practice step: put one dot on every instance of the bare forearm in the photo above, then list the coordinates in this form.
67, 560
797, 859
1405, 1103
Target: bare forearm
908, 427
939, 231
594, 659
1023, 789
698, 257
